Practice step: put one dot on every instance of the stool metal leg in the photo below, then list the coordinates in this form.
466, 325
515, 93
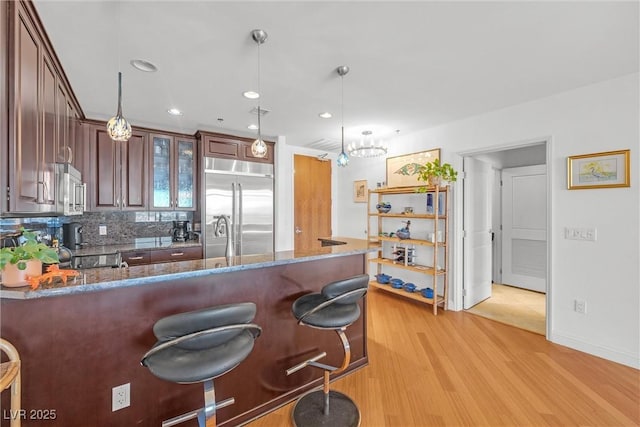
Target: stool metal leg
207, 415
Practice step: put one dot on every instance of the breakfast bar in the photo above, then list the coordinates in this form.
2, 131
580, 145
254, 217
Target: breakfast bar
78, 341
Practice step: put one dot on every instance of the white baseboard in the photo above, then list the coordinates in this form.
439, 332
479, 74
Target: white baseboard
624, 358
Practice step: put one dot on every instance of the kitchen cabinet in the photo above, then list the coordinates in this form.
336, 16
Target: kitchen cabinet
232, 147
118, 171
424, 256
173, 173
157, 256
135, 258
176, 254
36, 120
4, 107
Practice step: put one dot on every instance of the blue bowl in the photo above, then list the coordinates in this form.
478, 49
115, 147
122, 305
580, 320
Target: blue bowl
409, 287
427, 293
396, 283
383, 278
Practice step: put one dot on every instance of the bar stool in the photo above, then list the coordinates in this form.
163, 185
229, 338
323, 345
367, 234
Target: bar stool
10, 377
198, 346
334, 308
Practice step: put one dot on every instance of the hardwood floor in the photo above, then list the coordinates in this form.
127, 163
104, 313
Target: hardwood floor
458, 369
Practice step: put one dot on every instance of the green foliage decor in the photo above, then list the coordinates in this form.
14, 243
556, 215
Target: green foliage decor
434, 169
29, 250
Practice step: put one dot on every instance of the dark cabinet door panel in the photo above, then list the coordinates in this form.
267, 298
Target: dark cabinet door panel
26, 155
134, 172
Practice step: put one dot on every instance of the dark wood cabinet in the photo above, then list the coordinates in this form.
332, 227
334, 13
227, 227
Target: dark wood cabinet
4, 107
38, 103
157, 256
172, 173
136, 258
177, 254
118, 171
232, 147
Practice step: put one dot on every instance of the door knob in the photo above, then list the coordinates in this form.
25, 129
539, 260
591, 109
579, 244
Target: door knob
298, 231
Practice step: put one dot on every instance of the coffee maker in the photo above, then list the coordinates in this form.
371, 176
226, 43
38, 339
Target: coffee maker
180, 231
72, 235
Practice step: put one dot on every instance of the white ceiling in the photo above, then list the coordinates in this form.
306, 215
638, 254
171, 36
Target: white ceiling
413, 65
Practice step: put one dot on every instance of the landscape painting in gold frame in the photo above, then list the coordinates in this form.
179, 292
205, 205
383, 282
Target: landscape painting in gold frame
609, 169
402, 171
360, 191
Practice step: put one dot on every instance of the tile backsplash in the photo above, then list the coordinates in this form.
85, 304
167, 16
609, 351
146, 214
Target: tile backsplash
121, 227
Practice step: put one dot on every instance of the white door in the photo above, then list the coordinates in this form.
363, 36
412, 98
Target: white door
477, 232
524, 227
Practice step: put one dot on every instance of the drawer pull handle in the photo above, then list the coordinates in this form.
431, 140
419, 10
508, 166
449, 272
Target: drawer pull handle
177, 254
134, 258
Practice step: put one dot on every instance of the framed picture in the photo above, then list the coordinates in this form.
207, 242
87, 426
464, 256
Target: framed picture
402, 171
599, 170
360, 191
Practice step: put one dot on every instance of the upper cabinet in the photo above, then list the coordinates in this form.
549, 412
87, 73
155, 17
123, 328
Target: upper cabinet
173, 173
232, 147
118, 171
40, 127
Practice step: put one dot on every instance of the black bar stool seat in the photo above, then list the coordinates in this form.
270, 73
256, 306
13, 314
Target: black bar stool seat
198, 346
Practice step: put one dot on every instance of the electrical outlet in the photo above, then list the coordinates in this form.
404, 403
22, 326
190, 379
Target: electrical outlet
580, 306
120, 397
102, 230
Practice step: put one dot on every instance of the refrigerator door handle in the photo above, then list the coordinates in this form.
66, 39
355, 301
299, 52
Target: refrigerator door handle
240, 227
232, 232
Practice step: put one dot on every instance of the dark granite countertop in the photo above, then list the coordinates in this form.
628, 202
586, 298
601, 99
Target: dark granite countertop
99, 279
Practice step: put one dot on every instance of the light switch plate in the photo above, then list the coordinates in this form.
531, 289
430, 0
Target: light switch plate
587, 234
102, 230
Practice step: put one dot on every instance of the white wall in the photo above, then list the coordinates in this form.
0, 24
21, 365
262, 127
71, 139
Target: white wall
605, 273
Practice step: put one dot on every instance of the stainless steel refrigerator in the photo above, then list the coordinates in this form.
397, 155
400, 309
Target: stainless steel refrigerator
238, 211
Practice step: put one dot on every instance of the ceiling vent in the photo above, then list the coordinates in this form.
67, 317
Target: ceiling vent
263, 112
325, 144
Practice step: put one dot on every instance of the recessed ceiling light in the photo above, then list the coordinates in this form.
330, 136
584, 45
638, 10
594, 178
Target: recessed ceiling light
174, 112
251, 94
252, 127
325, 115
143, 65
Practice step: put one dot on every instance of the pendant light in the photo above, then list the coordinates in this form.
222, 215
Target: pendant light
259, 148
118, 127
343, 159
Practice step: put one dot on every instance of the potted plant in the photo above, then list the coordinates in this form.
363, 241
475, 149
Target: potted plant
16, 263
434, 173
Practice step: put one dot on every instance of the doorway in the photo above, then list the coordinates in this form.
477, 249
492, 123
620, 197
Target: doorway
505, 208
312, 201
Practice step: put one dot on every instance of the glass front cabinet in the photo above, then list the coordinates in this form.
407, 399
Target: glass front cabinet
173, 173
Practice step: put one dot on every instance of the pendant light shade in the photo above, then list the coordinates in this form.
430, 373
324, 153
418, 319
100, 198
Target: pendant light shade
343, 159
259, 148
118, 128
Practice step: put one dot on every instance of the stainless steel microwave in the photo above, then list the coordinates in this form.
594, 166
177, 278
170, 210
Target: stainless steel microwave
72, 192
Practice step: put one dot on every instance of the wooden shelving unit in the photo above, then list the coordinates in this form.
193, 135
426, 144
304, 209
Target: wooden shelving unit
436, 223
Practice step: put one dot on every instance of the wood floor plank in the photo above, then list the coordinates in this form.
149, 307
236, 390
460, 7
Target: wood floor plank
458, 369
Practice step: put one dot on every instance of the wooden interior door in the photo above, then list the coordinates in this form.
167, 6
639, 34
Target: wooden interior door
312, 201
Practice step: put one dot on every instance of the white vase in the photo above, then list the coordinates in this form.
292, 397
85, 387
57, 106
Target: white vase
13, 278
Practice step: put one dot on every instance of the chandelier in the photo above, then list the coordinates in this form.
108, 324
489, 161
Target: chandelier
367, 147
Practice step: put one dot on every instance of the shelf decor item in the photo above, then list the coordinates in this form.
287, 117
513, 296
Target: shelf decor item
403, 171
435, 172
609, 169
20, 262
383, 207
